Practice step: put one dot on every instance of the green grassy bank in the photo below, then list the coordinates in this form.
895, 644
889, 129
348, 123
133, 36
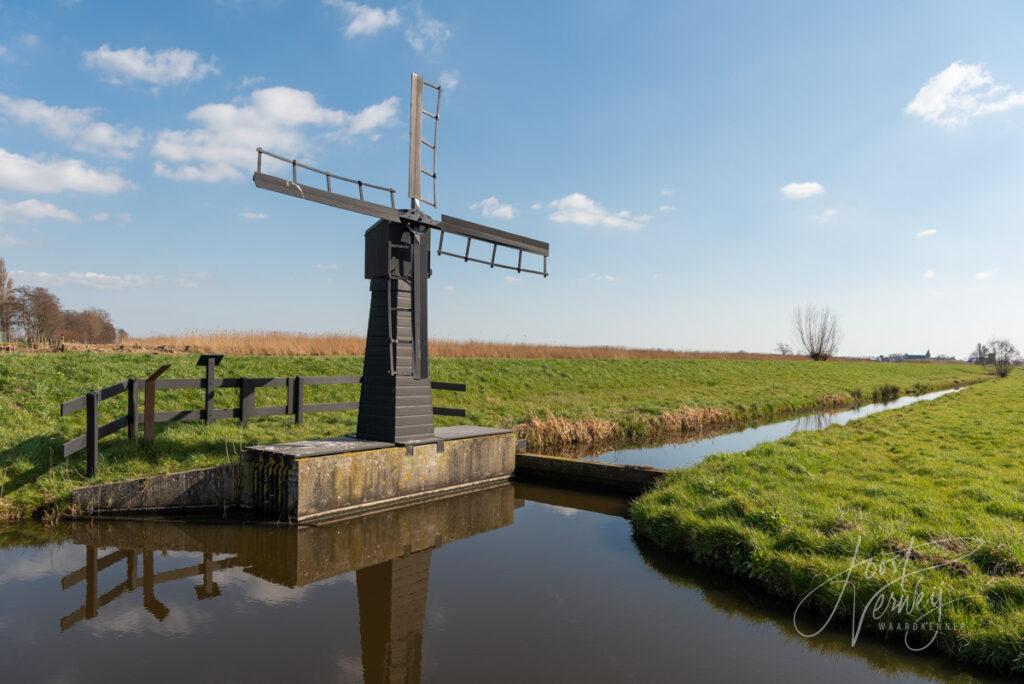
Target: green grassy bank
929, 499
556, 403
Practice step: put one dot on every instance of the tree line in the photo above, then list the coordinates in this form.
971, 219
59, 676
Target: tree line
34, 315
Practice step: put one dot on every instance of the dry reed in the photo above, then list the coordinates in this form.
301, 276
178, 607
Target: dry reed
271, 343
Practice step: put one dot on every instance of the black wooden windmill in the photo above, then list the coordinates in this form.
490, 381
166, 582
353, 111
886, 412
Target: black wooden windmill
395, 400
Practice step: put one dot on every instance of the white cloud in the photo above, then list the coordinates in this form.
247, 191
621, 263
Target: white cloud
449, 80
666, 207
223, 145
164, 67
99, 281
929, 274
34, 210
55, 175
254, 215
512, 279
579, 209
190, 280
802, 190
826, 215
928, 232
960, 92
448, 288
77, 127
364, 20
537, 205
250, 81
492, 206
986, 275
101, 216
667, 192
604, 277
26, 40
427, 33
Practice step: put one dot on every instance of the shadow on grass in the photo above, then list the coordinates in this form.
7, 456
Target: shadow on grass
119, 458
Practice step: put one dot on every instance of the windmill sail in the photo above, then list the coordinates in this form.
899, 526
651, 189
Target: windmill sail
417, 142
324, 195
495, 238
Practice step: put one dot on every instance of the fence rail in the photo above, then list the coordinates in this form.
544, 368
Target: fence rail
247, 409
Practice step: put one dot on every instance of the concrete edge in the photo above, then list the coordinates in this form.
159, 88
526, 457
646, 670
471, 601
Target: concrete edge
567, 472
398, 501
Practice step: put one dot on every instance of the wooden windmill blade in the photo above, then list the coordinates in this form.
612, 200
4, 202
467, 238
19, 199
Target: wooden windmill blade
417, 142
494, 237
327, 194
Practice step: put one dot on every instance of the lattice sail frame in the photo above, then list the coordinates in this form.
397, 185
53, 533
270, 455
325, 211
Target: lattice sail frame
417, 142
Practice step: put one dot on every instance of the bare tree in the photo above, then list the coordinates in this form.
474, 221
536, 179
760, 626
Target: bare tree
91, 326
38, 313
783, 348
1003, 355
980, 355
6, 303
817, 331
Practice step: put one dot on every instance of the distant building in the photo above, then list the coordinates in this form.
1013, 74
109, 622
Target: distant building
896, 358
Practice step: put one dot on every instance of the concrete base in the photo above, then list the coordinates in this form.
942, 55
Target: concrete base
204, 489
305, 481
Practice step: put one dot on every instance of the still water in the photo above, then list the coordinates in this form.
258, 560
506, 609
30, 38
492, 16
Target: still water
514, 583
683, 454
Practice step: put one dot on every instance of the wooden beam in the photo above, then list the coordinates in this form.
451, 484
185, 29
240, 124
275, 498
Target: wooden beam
331, 199
477, 231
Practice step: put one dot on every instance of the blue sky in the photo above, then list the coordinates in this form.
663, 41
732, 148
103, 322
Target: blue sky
699, 169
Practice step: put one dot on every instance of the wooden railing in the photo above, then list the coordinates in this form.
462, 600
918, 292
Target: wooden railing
246, 409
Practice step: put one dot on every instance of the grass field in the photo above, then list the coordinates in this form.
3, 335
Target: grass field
554, 403
936, 488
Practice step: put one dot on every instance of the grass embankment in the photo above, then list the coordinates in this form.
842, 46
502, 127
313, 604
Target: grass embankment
938, 486
554, 403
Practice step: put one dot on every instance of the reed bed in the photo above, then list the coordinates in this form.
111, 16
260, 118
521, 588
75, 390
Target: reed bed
275, 343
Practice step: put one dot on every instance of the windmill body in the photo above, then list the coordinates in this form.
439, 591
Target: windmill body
395, 403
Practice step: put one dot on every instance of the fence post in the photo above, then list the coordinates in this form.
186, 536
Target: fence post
92, 432
297, 401
149, 406
211, 363
133, 410
246, 401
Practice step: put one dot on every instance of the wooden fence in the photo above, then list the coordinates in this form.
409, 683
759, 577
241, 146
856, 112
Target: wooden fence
246, 409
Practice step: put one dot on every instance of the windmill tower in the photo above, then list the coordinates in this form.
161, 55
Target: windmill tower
395, 402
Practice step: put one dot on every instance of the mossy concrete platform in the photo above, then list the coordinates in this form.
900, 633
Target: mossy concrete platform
304, 481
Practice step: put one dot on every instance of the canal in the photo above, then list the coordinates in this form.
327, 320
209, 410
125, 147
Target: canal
513, 583
691, 452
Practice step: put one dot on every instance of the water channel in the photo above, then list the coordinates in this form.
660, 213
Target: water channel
518, 582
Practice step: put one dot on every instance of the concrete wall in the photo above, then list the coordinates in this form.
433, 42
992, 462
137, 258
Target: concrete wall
203, 489
568, 472
332, 484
